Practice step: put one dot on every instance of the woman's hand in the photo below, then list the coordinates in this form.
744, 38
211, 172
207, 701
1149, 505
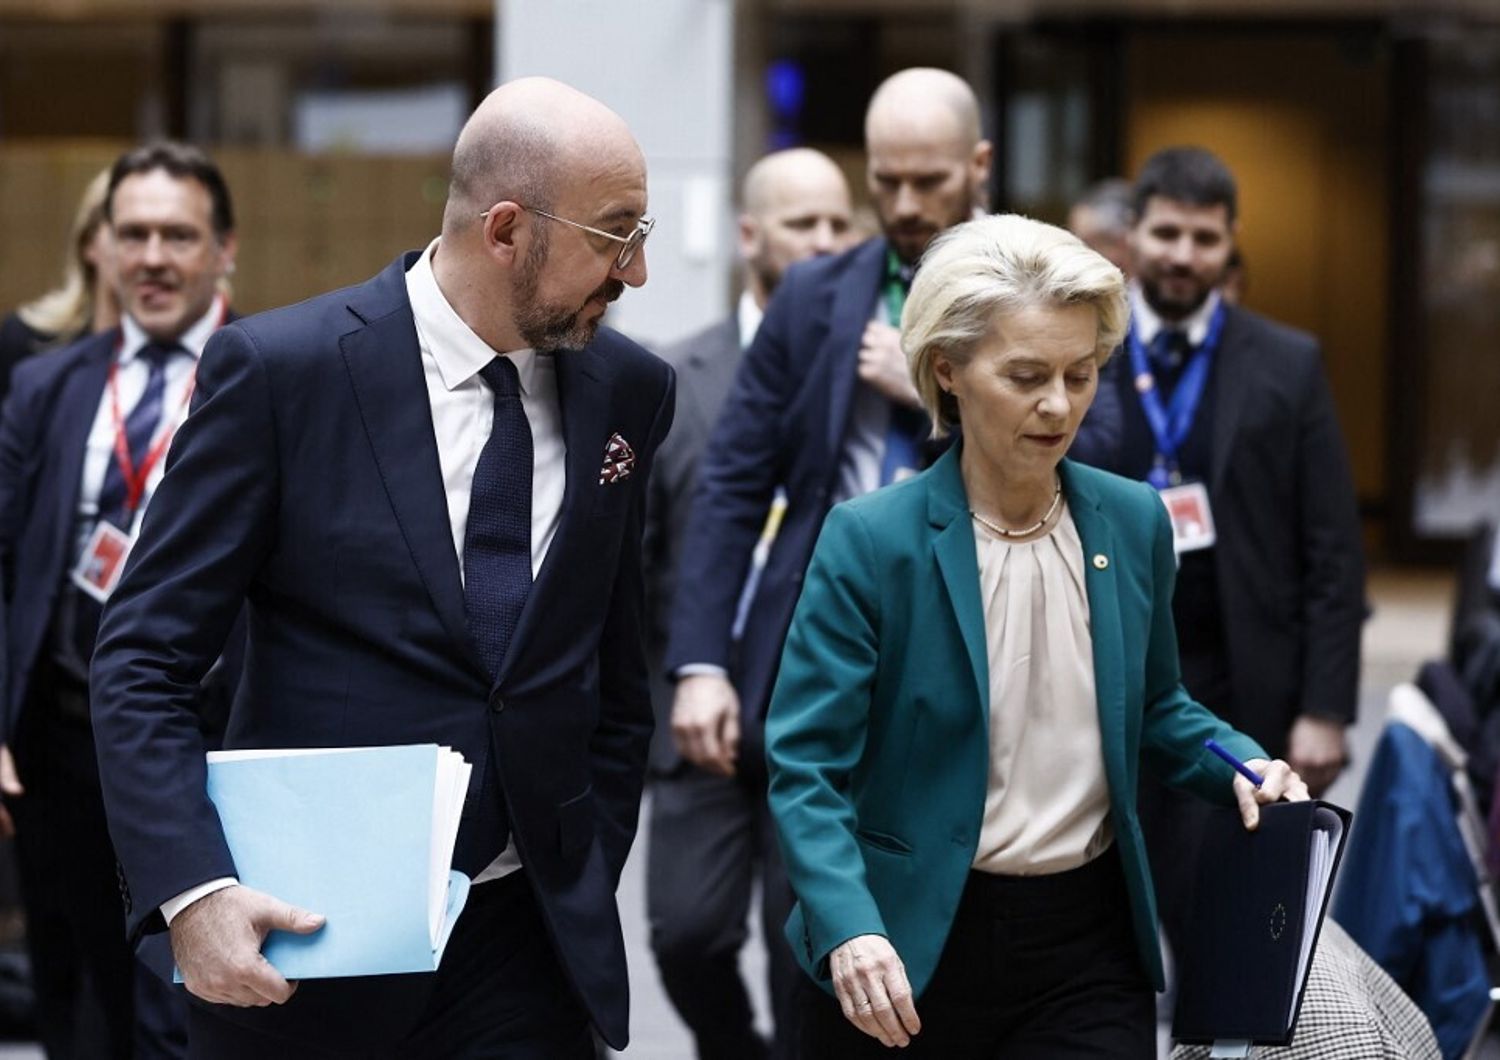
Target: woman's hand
1280, 782
870, 982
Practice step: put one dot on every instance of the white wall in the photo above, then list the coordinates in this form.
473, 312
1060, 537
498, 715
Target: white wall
667, 67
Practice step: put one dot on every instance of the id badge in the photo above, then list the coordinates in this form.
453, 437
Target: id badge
1192, 518
103, 559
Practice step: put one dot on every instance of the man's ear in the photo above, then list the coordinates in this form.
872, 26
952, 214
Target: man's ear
229, 246
980, 163
749, 236
503, 226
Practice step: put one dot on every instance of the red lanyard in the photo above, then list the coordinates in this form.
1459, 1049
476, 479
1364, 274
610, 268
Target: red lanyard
135, 477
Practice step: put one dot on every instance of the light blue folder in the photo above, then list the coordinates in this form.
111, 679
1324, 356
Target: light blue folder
362, 835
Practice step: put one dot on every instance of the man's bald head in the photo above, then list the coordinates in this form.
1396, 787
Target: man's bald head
782, 175
927, 99
548, 189
796, 204
526, 140
928, 165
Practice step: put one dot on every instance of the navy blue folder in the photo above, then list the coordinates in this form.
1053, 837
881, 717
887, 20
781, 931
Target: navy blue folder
1258, 906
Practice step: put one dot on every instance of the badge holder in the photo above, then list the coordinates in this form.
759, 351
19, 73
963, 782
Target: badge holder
1192, 517
103, 559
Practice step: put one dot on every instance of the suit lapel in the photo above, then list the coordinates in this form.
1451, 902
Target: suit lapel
704, 385
1231, 374
947, 512
76, 407
583, 393
1098, 540
385, 367
853, 305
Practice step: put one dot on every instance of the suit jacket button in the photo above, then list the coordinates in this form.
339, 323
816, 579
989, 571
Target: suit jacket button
1101, 561
497, 705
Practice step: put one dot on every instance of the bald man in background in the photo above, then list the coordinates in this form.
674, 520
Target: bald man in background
823, 408
711, 836
429, 489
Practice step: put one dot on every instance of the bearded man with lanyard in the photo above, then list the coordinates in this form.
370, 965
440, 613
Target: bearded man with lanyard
1229, 415
83, 441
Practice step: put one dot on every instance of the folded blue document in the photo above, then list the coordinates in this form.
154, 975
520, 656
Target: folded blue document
363, 835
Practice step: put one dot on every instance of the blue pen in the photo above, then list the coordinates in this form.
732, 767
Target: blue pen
1239, 767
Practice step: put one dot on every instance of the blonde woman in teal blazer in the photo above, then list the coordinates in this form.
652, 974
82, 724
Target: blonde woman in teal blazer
889, 812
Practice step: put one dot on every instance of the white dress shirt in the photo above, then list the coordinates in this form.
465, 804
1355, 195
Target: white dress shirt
1147, 322
463, 411
748, 316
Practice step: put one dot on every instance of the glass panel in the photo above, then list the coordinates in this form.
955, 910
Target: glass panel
1458, 477
1050, 124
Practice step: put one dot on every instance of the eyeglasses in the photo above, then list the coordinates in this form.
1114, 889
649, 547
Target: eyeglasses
628, 244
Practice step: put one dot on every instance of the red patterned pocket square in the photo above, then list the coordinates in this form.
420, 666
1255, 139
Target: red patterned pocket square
619, 460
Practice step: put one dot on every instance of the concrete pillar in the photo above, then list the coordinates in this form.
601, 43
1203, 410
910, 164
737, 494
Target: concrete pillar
667, 67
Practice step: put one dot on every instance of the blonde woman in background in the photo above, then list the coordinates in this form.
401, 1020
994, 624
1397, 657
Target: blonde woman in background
85, 302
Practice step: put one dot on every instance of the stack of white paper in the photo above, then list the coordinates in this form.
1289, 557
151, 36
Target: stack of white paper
1328, 829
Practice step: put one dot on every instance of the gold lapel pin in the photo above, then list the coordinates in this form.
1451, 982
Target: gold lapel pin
1101, 561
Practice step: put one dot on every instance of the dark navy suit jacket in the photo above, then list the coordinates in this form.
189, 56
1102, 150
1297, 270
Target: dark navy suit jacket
1288, 560
306, 481
783, 424
44, 431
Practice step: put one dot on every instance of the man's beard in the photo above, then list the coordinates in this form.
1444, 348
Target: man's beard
548, 327
910, 241
765, 271
1172, 308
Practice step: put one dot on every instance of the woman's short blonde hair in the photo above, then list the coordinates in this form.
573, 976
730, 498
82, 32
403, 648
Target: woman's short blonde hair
978, 271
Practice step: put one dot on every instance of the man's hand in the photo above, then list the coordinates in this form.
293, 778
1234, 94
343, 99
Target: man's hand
1315, 749
883, 366
10, 787
217, 941
706, 722
1280, 782
870, 983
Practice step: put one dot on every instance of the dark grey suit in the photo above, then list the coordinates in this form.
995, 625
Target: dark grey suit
709, 834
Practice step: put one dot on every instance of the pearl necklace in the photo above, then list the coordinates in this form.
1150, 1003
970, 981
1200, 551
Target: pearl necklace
1003, 532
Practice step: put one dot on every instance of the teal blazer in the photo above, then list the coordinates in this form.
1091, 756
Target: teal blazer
877, 734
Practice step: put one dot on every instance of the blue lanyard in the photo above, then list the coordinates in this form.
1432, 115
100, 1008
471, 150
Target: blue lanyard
1171, 423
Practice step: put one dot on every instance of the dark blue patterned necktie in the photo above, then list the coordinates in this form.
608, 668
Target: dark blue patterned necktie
1168, 353
140, 430
497, 539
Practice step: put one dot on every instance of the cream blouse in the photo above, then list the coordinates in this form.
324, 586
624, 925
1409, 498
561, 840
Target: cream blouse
1047, 805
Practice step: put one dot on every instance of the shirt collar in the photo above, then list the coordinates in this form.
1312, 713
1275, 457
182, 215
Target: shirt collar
458, 351
1147, 322
133, 337
749, 316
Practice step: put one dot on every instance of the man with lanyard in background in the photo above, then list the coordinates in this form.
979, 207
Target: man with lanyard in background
1229, 415
83, 439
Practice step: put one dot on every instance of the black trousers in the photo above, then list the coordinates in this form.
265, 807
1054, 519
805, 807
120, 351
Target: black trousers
500, 993
711, 836
94, 999
1035, 968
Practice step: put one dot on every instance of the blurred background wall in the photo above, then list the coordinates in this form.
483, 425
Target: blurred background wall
1366, 137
